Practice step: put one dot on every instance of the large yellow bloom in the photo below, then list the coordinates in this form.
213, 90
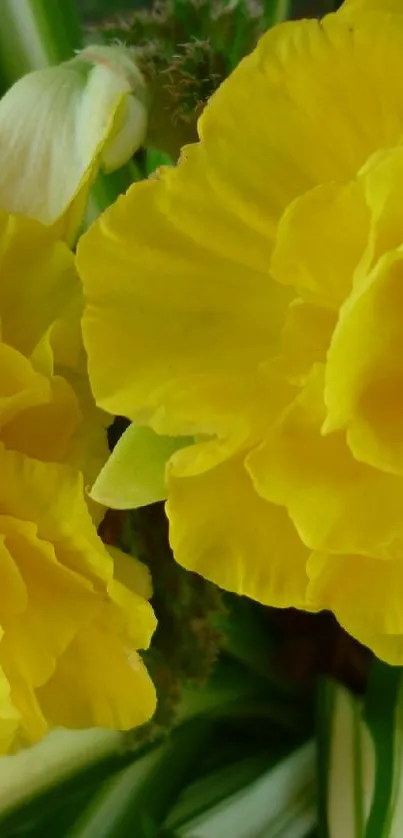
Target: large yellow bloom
252, 297
69, 622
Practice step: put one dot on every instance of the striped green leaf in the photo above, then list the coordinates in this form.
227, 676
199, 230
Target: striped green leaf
345, 764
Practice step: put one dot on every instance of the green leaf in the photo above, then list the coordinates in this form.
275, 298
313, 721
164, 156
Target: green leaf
279, 804
345, 763
154, 158
384, 714
108, 187
36, 782
61, 754
138, 799
228, 687
249, 637
219, 785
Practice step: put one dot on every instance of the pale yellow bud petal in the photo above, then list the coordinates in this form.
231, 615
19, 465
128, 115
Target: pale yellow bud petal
59, 125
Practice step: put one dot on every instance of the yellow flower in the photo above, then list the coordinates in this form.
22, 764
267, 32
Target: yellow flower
59, 125
252, 297
71, 617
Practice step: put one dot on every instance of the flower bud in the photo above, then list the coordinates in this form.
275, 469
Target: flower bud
59, 125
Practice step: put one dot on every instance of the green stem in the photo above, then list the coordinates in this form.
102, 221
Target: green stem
35, 34
282, 11
276, 11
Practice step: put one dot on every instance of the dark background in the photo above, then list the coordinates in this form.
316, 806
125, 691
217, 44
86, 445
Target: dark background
94, 10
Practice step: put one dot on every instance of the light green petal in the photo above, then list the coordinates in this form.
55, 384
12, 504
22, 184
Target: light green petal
135, 472
60, 124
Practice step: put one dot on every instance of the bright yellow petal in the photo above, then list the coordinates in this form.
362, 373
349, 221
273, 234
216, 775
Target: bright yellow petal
21, 388
129, 612
308, 106
9, 714
32, 723
38, 416
224, 414
113, 688
44, 431
59, 602
71, 627
175, 309
65, 337
37, 280
364, 593
379, 181
220, 528
306, 335
320, 240
46, 401
88, 445
13, 591
131, 616
168, 297
372, 6
387, 647
336, 503
52, 496
364, 373
131, 572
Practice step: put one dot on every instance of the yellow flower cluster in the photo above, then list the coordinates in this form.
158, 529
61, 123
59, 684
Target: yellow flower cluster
68, 623
252, 298
71, 616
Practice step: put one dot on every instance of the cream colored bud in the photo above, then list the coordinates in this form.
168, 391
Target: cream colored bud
58, 126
